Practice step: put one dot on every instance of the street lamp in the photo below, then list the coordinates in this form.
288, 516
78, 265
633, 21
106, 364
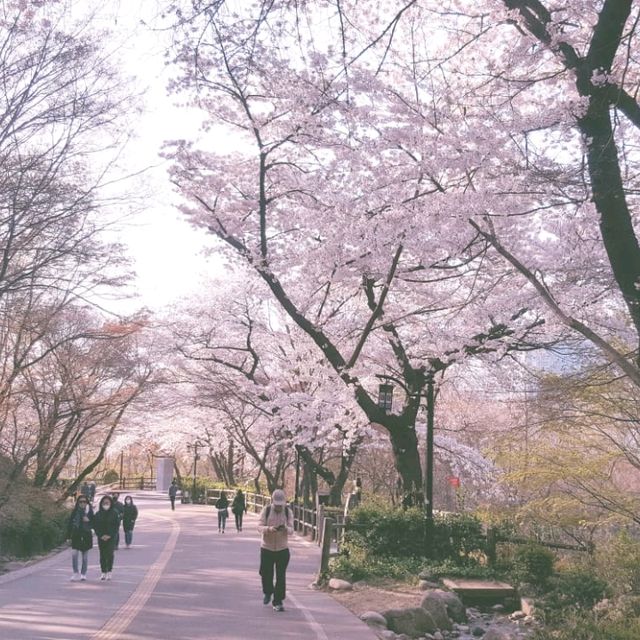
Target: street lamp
385, 396
194, 446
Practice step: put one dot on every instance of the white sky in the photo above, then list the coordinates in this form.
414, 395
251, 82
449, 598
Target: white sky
168, 252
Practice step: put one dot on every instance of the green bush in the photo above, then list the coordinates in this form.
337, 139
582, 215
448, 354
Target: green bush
110, 476
618, 562
384, 530
32, 528
533, 564
450, 568
457, 536
575, 589
581, 626
357, 566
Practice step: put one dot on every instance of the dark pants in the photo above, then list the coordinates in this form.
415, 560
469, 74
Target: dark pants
106, 554
128, 536
269, 560
173, 503
238, 517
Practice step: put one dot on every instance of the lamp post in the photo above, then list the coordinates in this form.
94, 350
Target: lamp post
194, 446
297, 489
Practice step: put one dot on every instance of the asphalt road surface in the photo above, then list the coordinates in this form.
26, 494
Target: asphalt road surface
180, 580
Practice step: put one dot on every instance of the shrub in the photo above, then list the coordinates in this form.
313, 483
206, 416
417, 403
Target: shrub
32, 527
357, 566
449, 568
577, 589
383, 530
618, 562
457, 536
533, 564
110, 475
581, 626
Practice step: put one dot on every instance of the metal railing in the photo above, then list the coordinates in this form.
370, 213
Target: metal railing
307, 521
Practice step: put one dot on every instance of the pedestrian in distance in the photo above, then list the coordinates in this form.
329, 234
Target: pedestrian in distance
119, 509
85, 491
92, 491
79, 531
106, 524
129, 517
173, 491
275, 526
222, 505
239, 508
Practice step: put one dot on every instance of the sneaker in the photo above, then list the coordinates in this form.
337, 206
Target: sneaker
109, 575
266, 599
103, 576
278, 607
74, 578
83, 577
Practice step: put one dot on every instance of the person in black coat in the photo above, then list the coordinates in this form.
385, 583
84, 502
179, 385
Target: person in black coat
239, 508
129, 516
119, 509
81, 536
222, 505
106, 524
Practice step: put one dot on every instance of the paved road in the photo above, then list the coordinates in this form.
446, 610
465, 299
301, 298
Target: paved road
180, 580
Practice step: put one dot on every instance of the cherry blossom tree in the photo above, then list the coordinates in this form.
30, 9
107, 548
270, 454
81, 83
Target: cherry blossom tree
345, 190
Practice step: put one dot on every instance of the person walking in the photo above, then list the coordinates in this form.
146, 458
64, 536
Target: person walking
129, 517
173, 491
222, 505
106, 524
81, 536
275, 526
239, 508
119, 509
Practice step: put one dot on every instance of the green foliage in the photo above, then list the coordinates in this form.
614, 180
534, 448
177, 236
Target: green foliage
358, 566
575, 589
585, 626
533, 564
450, 568
457, 536
33, 527
618, 562
384, 530
110, 475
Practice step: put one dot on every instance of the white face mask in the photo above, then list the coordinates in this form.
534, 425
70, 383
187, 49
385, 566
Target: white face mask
106, 507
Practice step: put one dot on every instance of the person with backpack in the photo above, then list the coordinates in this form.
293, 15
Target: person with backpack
81, 536
129, 517
275, 526
222, 505
239, 508
106, 524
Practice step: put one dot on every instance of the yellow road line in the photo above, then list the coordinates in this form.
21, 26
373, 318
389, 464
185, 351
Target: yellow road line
117, 624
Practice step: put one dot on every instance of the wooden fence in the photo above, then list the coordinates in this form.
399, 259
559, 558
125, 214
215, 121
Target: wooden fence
307, 521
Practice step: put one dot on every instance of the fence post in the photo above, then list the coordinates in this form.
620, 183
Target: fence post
327, 534
319, 518
491, 546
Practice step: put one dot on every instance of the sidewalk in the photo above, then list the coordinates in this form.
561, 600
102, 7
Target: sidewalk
180, 580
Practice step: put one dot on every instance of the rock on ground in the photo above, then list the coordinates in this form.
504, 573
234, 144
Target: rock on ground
414, 622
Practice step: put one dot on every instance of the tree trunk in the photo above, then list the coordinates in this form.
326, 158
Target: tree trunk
404, 444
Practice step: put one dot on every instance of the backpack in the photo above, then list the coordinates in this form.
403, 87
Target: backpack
268, 511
